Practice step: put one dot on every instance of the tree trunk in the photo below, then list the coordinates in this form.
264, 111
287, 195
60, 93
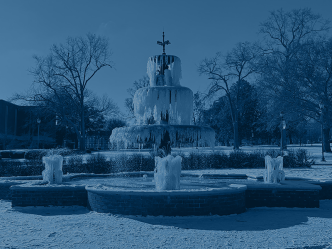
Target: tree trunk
326, 140
82, 138
236, 134
290, 138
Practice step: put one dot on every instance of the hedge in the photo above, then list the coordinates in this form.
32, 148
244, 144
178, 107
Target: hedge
99, 164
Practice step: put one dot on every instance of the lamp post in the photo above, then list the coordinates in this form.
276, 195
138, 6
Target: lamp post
38, 122
283, 145
321, 106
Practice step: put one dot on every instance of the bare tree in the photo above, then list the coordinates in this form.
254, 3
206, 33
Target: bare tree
290, 39
61, 80
224, 71
198, 108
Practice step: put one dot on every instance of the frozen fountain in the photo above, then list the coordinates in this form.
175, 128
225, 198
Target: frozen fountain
167, 173
163, 110
163, 113
53, 169
274, 172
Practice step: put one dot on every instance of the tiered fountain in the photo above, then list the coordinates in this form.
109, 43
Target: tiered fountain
163, 110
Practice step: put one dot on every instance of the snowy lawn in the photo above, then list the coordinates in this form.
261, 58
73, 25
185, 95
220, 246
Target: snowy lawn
77, 227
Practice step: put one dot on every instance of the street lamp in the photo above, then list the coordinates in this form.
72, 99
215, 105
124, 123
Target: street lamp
38, 122
321, 106
283, 145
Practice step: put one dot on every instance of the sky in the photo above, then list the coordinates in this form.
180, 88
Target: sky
196, 30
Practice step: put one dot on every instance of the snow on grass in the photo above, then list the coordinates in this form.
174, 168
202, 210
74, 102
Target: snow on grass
315, 172
76, 227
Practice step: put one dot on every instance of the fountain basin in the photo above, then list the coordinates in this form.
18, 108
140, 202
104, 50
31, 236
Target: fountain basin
42, 194
131, 193
218, 201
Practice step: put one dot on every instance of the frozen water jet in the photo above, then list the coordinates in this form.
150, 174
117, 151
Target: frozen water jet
53, 169
167, 173
274, 172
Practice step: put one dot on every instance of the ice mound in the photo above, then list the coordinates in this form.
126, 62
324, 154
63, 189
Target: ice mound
167, 173
53, 169
274, 172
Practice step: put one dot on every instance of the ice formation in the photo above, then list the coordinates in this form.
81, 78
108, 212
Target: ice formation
53, 169
161, 76
170, 104
274, 172
167, 173
164, 106
179, 134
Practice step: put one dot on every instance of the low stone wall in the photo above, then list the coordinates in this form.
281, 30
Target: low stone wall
326, 192
287, 194
180, 203
48, 195
5, 193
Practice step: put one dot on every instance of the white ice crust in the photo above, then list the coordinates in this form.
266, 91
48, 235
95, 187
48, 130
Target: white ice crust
157, 102
163, 106
274, 172
172, 75
167, 173
53, 169
179, 134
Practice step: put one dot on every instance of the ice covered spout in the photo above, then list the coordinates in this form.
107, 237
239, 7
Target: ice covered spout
53, 169
274, 172
167, 173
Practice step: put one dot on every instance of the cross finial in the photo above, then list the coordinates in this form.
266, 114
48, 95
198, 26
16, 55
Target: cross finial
163, 43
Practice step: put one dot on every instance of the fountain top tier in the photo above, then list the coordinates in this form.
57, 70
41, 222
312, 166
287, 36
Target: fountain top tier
164, 70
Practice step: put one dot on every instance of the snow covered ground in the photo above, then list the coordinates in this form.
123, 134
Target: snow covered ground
77, 227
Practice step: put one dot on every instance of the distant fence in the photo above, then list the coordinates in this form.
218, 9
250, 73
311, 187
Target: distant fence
96, 143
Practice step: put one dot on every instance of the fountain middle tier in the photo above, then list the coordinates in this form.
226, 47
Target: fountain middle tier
179, 135
164, 104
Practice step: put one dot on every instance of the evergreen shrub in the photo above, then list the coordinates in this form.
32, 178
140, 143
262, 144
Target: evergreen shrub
99, 164
35, 154
17, 154
74, 164
6, 154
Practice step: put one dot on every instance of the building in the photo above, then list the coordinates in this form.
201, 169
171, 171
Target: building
19, 127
